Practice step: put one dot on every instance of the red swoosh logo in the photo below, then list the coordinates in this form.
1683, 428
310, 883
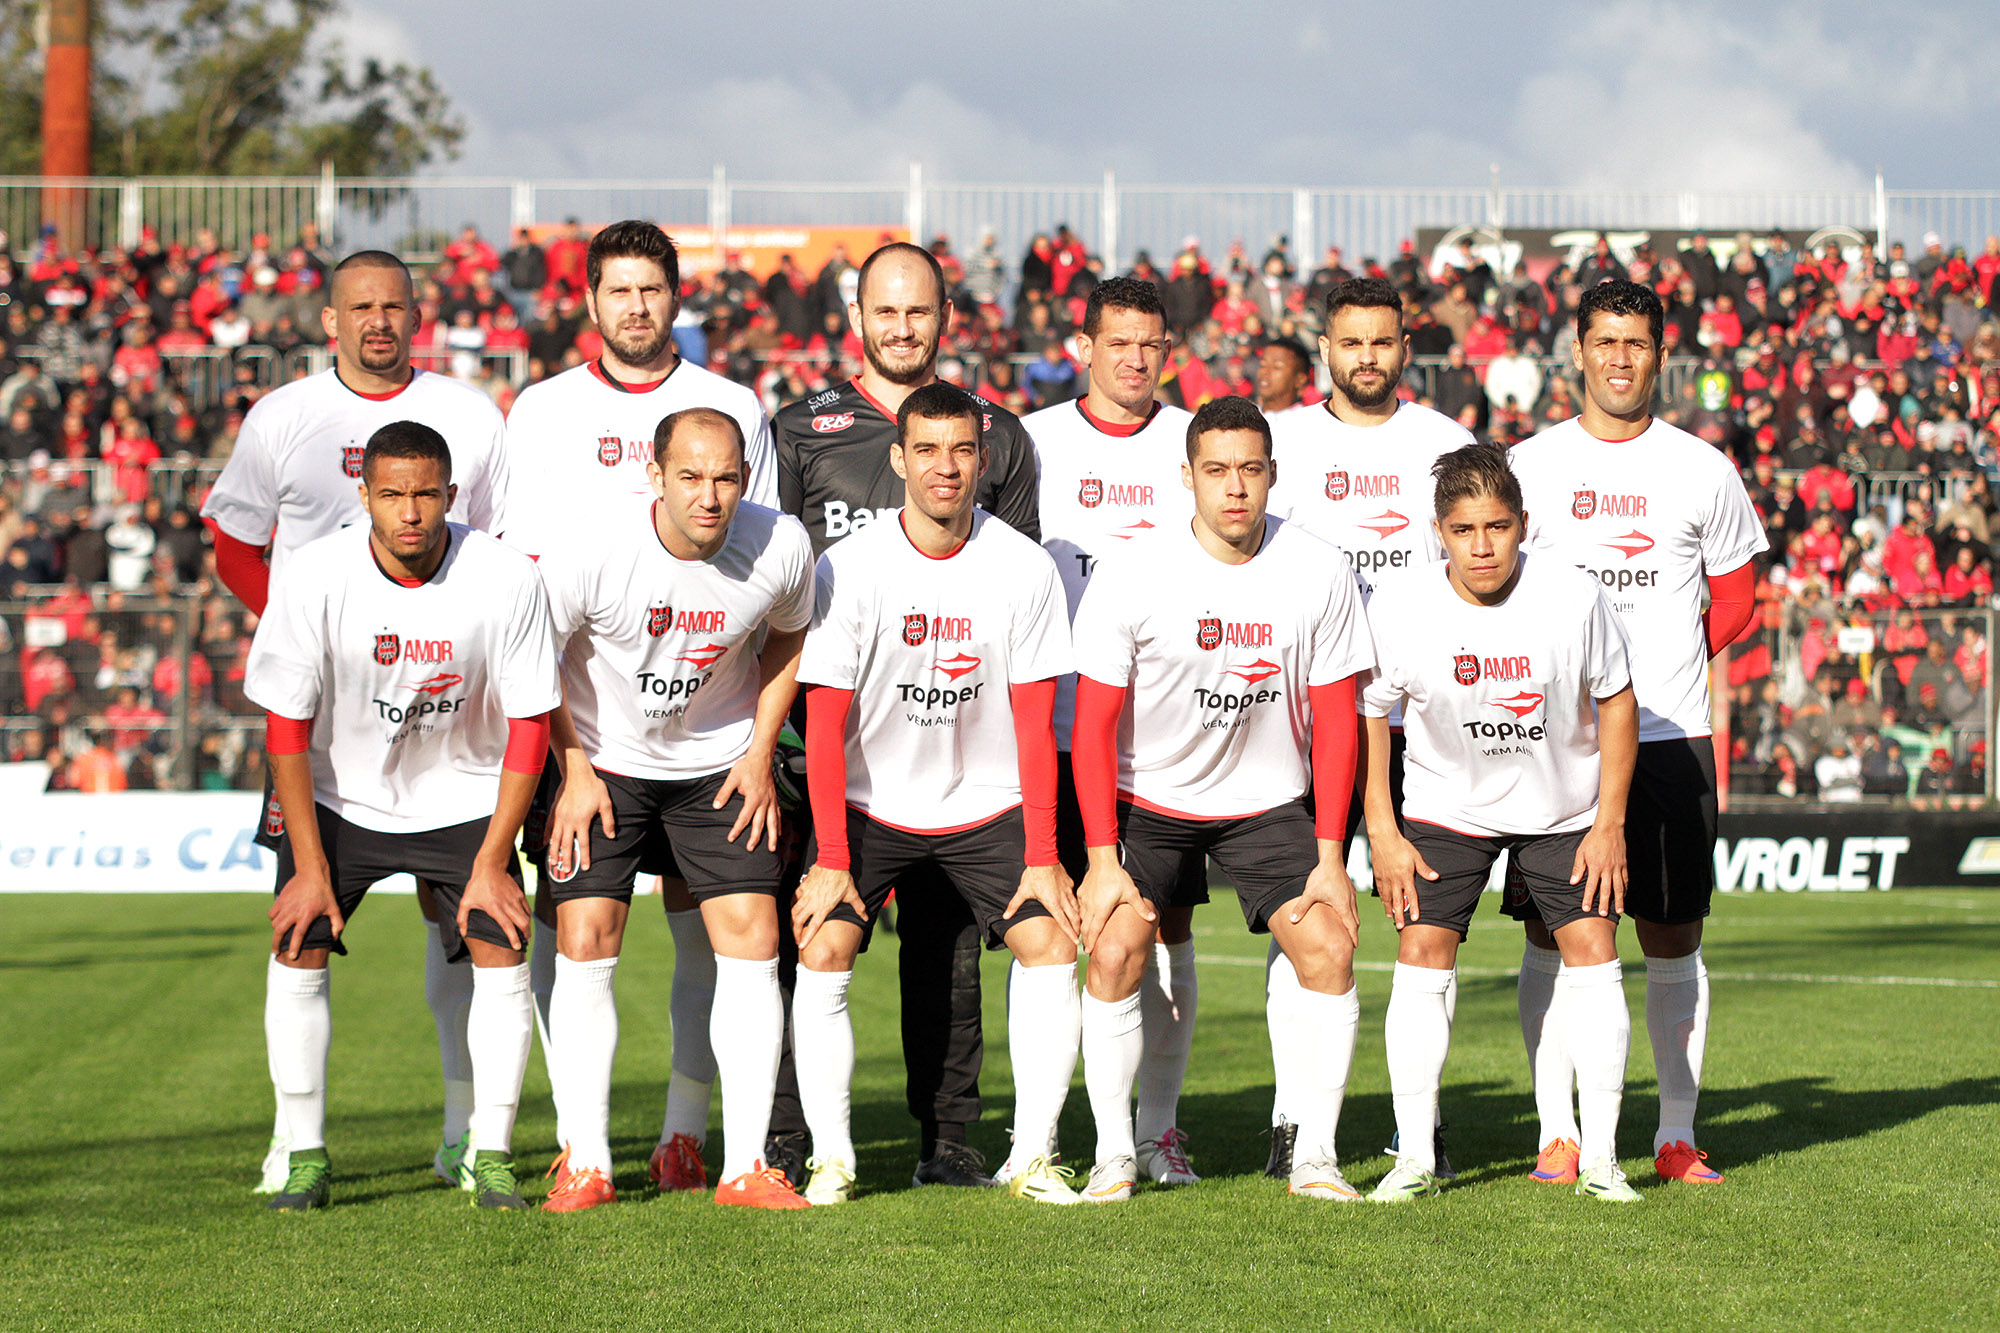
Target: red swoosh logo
954, 667
1632, 543
1385, 524
705, 656
438, 684
1259, 670
1520, 705
1131, 530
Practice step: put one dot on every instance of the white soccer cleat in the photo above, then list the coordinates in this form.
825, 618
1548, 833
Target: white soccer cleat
1112, 1181
277, 1166
1321, 1180
1165, 1159
831, 1182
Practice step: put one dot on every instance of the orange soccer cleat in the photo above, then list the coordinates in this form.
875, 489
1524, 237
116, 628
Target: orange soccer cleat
577, 1190
1557, 1163
676, 1165
1680, 1161
760, 1187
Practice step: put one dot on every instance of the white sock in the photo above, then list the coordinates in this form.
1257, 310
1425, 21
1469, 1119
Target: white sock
1326, 1031
1417, 1032
823, 1052
693, 1077
583, 1024
500, 1029
279, 1130
1168, 996
1281, 991
1044, 1032
448, 991
1597, 1029
542, 981
747, 1026
1677, 1020
298, 1029
1112, 1042
1548, 1058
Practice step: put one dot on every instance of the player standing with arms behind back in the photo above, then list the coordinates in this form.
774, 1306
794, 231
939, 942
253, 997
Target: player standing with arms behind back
1654, 514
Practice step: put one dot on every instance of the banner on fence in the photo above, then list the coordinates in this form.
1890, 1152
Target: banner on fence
1856, 850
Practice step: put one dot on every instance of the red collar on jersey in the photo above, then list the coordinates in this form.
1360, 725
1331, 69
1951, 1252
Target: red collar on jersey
597, 369
400, 579
377, 397
872, 400
1106, 428
904, 525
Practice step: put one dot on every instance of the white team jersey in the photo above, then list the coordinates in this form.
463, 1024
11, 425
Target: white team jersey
410, 689
1648, 517
1219, 658
296, 472
1499, 712
930, 648
659, 654
1100, 492
578, 442
1365, 489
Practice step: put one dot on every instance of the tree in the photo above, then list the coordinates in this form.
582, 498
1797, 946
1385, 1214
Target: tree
228, 88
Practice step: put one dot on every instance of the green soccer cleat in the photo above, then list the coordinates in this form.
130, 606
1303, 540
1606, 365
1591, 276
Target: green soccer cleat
306, 1183
452, 1163
493, 1182
1405, 1181
1042, 1181
831, 1182
1605, 1181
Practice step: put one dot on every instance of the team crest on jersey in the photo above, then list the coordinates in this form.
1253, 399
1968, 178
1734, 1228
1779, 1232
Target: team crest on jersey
1208, 633
610, 449
830, 422
350, 459
388, 647
1465, 669
916, 628
658, 619
1336, 486
1090, 493
1584, 505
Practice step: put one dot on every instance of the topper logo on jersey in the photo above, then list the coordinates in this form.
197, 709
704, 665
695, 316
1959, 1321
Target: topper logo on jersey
388, 648
1256, 672
1336, 486
706, 656
350, 459
830, 422
610, 450
1521, 704
437, 684
1090, 492
959, 664
1385, 524
659, 619
1208, 633
1632, 543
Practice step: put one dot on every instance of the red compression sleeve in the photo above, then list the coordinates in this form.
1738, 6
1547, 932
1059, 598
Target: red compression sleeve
527, 744
1034, 704
1732, 600
286, 735
1334, 729
826, 770
1094, 758
241, 568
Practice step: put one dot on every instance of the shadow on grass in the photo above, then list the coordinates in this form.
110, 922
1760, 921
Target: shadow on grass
101, 958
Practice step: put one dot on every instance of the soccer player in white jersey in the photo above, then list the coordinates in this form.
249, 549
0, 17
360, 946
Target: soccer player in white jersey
1657, 516
1518, 708
293, 478
1109, 467
576, 443
1357, 474
680, 625
1216, 668
930, 673
408, 669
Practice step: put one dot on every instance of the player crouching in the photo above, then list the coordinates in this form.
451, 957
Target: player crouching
931, 673
1521, 731
1216, 667
422, 649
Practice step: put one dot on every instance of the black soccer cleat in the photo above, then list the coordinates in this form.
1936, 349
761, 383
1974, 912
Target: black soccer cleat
786, 1152
1284, 1135
953, 1164
306, 1183
493, 1182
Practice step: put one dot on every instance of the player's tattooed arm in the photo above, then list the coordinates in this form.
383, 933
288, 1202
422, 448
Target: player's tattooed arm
1398, 866
582, 798
308, 895
1600, 864
750, 778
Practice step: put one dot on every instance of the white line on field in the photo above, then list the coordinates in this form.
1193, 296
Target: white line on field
1951, 983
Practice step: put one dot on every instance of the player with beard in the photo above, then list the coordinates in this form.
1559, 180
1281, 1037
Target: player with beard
291, 479
409, 671
835, 476
579, 444
1658, 517
1357, 474
1110, 467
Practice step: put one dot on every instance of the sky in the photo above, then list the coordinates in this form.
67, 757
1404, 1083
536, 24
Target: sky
1620, 93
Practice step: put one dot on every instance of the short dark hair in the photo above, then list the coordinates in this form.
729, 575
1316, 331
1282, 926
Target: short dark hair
633, 238
406, 439
1618, 296
1296, 348
902, 248
1473, 471
1364, 294
1121, 293
1219, 414
368, 259
937, 401
663, 434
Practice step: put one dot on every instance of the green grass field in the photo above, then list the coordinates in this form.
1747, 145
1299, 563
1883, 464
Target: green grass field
1855, 1121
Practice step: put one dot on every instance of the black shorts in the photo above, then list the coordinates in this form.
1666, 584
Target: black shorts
682, 815
982, 865
656, 855
1670, 823
1267, 856
1190, 885
357, 857
1539, 863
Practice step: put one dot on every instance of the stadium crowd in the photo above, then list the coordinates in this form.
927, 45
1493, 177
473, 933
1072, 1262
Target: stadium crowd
1859, 397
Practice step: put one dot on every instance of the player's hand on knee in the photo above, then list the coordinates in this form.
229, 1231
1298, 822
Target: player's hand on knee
583, 797
499, 895
1600, 867
751, 779
307, 896
1052, 888
1329, 886
1105, 889
1398, 867
819, 893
